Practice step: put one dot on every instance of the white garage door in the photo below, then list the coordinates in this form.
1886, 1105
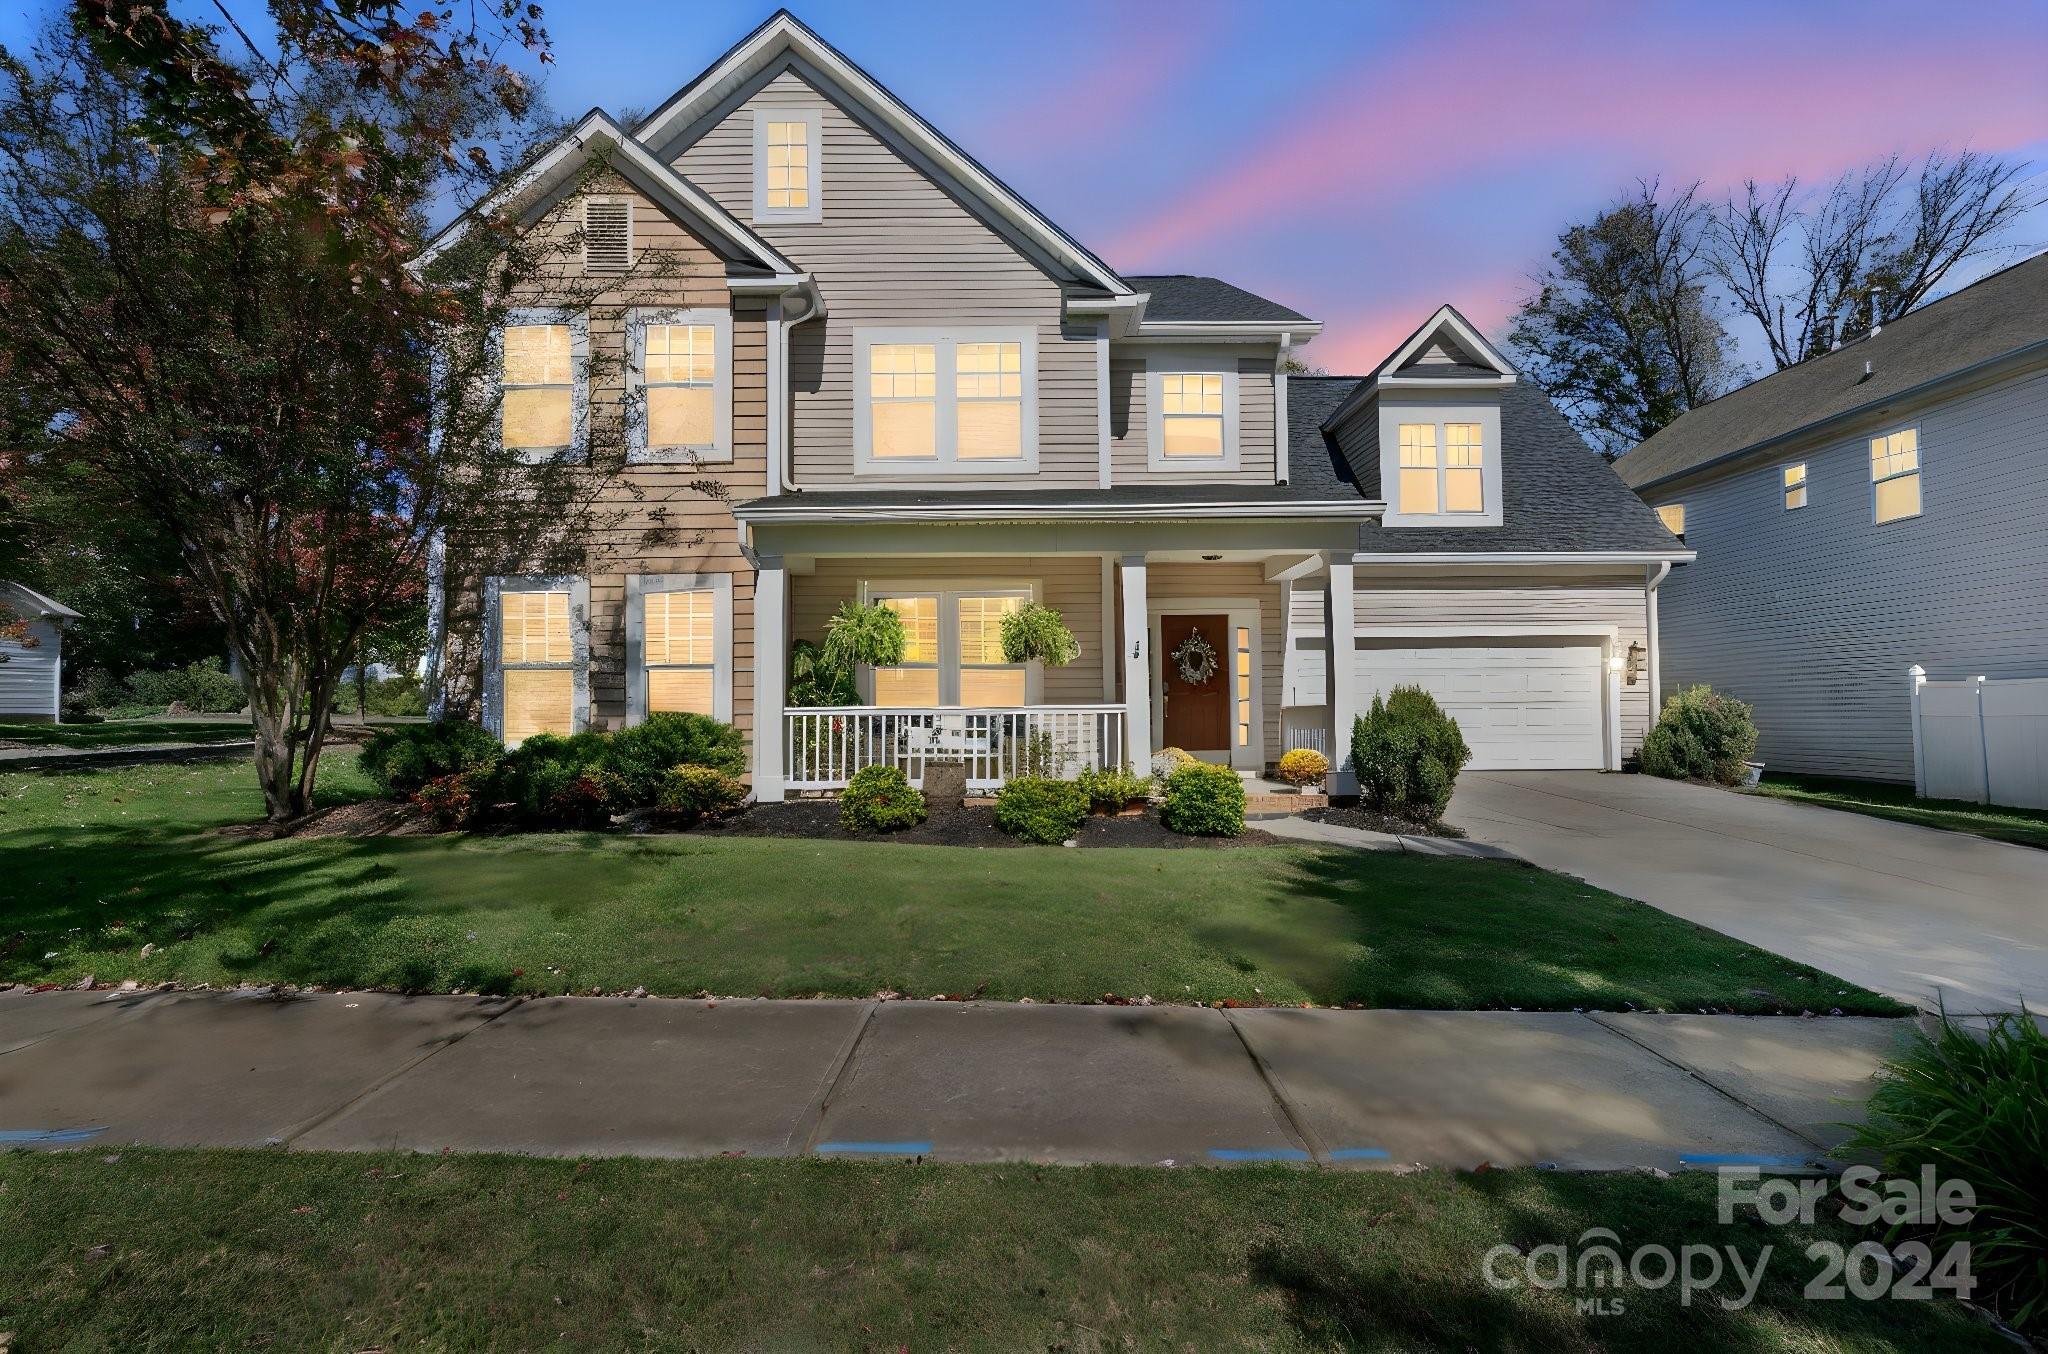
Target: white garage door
1521, 707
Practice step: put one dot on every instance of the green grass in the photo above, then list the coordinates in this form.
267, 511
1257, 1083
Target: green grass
126, 733
224, 1249
1880, 799
102, 863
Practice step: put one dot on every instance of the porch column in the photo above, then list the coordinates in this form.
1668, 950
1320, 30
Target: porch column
771, 658
1343, 627
1137, 666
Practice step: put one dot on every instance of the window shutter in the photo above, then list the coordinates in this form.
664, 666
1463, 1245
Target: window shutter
607, 236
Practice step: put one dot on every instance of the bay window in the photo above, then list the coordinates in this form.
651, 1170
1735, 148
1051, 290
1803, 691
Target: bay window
945, 401
953, 650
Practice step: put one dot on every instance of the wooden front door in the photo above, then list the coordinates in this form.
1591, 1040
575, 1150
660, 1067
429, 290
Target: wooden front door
1197, 717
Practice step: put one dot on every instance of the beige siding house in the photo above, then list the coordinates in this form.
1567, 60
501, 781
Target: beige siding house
917, 390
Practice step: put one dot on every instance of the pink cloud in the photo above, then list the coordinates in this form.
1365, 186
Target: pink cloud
1354, 345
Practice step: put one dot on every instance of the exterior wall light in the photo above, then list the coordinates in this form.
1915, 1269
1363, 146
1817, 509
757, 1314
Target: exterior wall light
1634, 668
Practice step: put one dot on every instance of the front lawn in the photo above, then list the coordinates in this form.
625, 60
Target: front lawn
271, 1250
1881, 799
105, 863
116, 733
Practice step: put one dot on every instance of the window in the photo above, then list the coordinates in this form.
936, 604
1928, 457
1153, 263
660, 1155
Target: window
786, 177
679, 385
607, 235
680, 654
1895, 475
953, 650
1241, 671
1464, 463
1191, 414
1418, 467
1794, 485
537, 662
539, 412
1443, 468
1672, 515
937, 401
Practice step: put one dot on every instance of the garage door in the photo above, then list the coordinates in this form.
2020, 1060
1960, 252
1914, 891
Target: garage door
1522, 707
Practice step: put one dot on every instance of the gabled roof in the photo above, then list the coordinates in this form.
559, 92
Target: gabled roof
595, 134
783, 33
1478, 363
1183, 297
38, 603
1991, 320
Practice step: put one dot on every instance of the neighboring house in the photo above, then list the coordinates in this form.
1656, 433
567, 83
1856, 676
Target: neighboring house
1867, 510
31, 668
918, 390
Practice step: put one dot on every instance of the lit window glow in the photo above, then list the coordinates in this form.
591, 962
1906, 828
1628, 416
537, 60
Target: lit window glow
679, 648
539, 392
1672, 515
536, 655
1795, 486
1895, 475
903, 389
1191, 415
789, 166
681, 371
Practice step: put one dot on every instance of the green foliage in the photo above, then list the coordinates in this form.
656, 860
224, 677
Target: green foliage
689, 793
643, 755
395, 696
1035, 632
402, 760
203, 687
1041, 809
1113, 787
814, 681
1303, 766
457, 801
1976, 1109
1407, 753
1701, 735
551, 780
880, 799
857, 633
1204, 800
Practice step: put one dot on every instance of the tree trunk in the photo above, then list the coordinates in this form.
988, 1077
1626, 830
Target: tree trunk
274, 763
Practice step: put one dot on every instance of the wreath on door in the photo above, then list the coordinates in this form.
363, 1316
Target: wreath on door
1195, 659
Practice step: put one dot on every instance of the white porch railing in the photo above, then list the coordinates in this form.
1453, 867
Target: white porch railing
823, 746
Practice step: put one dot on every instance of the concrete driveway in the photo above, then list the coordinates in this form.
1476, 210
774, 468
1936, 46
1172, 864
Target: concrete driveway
1910, 911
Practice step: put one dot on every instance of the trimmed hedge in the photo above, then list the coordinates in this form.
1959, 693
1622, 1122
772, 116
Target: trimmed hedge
1041, 809
1203, 800
1113, 788
1701, 735
880, 799
402, 760
643, 755
1407, 753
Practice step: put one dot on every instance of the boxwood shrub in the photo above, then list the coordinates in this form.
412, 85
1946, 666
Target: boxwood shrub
643, 755
880, 799
1041, 809
400, 760
690, 793
1701, 735
1113, 787
1407, 753
1203, 800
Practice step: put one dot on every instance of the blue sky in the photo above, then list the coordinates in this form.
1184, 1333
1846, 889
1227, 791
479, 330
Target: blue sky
1365, 162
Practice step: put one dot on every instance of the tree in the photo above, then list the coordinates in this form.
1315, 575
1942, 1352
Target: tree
1809, 268
1623, 331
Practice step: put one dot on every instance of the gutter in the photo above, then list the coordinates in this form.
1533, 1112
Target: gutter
1353, 510
1653, 579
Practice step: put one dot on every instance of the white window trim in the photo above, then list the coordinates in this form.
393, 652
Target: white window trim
813, 118
579, 380
578, 589
1919, 469
638, 586
637, 321
946, 460
949, 592
1393, 412
1160, 365
1806, 483
632, 251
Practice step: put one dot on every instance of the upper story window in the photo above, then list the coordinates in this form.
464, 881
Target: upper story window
1440, 460
1793, 483
1672, 515
1194, 402
607, 234
679, 385
542, 398
1443, 467
945, 401
786, 155
1895, 475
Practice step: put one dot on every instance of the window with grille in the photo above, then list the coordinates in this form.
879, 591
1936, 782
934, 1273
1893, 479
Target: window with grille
537, 659
1895, 475
680, 650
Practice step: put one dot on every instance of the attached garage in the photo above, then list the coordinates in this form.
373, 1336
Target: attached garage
1524, 703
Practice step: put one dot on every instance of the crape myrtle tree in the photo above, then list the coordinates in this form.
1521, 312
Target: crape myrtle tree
206, 260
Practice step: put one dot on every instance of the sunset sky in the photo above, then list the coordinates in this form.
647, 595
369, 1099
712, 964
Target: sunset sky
1363, 163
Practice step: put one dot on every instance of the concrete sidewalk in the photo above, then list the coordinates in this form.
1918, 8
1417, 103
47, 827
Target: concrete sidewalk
951, 1081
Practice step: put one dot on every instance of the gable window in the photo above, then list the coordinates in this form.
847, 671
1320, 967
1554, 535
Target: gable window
1672, 515
786, 153
607, 235
679, 385
538, 682
541, 408
1895, 475
953, 650
939, 401
679, 645
1794, 484
1443, 467
1193, 398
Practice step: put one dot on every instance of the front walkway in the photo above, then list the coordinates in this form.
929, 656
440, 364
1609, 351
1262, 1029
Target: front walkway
952, 1081
1909, 911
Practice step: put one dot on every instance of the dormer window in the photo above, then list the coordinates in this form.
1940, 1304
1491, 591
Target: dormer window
1443, 468
786, 164
1440, 460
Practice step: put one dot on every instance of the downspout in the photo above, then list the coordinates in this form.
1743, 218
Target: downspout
784, 456
1280, 435
1653, 579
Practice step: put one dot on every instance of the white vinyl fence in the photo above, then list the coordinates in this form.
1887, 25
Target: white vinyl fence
1981, 740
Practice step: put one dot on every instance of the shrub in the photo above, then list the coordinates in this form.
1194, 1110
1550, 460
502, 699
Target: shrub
880, 799
552, 779
1407, 753
1040, 809
456, 801
392, 696
1114, 788
203, 688
1701, 735
1303, 766
1035, 632
643, 755
689, 793
1166, 761
1204, 801
1976, 1109
402, 760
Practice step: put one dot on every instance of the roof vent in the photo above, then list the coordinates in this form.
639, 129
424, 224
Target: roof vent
607, 235
1876, 312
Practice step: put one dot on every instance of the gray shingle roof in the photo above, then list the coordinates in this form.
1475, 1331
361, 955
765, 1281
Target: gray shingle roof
1184, 296
1987, 319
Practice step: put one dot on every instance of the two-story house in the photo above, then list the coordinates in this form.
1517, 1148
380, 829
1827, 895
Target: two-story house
1868, 510
919, 391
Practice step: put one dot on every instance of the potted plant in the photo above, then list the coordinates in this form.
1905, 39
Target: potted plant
1035, 633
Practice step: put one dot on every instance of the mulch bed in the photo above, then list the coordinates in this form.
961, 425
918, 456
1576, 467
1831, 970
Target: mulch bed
971, 826
370, 818
1359, 816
